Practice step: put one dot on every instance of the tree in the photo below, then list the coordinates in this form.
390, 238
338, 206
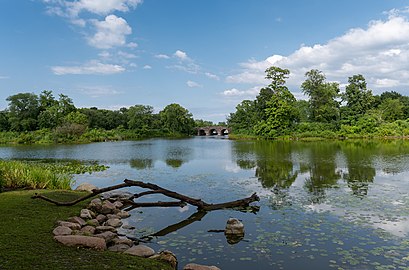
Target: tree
4, 121
358, 99
391, 109
323, 104
244, 119
177, 119
140, 117
23, 111
280, 110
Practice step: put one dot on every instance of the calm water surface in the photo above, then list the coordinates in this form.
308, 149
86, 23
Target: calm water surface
324, 205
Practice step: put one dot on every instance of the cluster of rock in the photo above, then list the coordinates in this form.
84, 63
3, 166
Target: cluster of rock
98, 226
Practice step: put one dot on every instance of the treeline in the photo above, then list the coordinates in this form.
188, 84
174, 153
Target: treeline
328, 113
31, 118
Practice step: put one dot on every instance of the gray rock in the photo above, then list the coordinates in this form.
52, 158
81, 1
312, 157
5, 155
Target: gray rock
234, 226
95, 205
123, 241
101, 229
116, 195
119, 248
101, 218
87, 214
194, 266
107, 236
86, 187
118, 204
88, 230
62, 230
166, 256
123, 214
141, 251
128, 227
71, 225
107, 208
81, 241
93, 222
77, 220
111, 216
114, 222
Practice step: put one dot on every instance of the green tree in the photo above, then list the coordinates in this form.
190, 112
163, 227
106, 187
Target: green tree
47, 100
392, 109
4, 121
244, 119
358, 99
23, 111
323, 104
140, 117
177, 119
280, 111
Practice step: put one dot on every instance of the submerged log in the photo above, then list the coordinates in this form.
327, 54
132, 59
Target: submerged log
155, 189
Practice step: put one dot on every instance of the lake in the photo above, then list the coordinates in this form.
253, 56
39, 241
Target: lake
324, 205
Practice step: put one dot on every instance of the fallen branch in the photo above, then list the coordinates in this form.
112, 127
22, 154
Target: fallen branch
155, 189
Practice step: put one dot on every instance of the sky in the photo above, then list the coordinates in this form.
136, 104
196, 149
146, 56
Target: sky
206, 55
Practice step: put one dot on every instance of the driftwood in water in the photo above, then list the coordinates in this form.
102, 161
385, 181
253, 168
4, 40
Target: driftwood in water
155, 189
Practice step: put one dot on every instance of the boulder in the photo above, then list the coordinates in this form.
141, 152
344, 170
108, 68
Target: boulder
111, 216
123, 214
86, 187
118, 204
141, 251
87, 214
194, 266
71, 225
77, 220
101, 218
107, 236
81, 241
90, 230
95, 205
123, 241
93, 222
113, 222
166, 256
107, 208
62, 230
234, 231
119, 248
101, 229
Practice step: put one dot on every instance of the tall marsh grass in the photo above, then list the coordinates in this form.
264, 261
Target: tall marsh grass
20, 174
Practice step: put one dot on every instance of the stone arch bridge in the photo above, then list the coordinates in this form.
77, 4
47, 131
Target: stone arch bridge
213, 130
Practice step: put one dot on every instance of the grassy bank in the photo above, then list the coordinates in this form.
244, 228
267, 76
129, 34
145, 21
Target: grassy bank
26, 240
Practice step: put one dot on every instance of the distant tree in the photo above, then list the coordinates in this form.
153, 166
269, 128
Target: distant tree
23, 111
177, 119
47, 100
323, 104
358, 99
203, 123
391, 109
140, 117
303, 109
245, 117
280, 111
4, 121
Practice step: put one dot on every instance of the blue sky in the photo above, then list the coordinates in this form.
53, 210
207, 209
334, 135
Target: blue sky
206, 55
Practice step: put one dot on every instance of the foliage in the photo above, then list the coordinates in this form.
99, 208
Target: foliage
177, 119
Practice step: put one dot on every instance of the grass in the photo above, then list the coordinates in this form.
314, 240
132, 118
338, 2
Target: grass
26, 240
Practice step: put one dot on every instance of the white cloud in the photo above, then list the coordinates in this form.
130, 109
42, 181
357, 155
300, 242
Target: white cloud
92, 67
127, 55
249, 93
193, 84
181, 55
162, 56
212, 76
111, 32
379, 52
98, 91
147, 67
132, 45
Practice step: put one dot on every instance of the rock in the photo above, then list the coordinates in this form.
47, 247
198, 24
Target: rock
95, 205
114, 222
81, 241
101, 229
71, 225
77, 220
87, 214
166, 256
88, 230
111, 216
123, 214
86, 187
107, 208
107, 236
116, 195
141, 251
128, 227
234, 231
93, 222
62, 230
193, 266
118, 204
123, 241
101, 218
119, 248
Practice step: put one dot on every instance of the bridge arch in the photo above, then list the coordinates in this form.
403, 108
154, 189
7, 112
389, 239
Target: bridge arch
212, 131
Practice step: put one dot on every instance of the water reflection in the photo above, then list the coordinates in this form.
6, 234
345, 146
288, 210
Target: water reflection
141, 164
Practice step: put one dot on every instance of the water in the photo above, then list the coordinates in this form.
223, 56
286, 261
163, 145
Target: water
324, 205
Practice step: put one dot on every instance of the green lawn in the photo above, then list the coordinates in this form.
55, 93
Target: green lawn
26, 240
